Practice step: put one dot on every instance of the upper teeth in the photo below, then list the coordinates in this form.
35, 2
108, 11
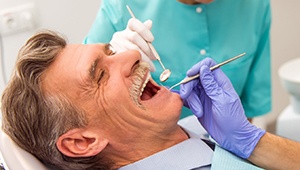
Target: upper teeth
145, 83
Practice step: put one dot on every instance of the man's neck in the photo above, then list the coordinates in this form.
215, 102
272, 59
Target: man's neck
126, 153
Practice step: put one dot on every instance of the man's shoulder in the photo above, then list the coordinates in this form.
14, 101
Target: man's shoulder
192, 126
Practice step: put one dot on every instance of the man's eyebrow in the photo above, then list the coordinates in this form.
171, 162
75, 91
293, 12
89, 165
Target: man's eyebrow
92, 69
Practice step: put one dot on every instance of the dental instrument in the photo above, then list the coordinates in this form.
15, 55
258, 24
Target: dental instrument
211, 68
166, 73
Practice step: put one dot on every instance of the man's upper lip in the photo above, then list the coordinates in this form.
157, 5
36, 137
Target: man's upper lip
134, 66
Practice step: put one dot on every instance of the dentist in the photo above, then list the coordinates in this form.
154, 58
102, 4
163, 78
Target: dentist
187, 31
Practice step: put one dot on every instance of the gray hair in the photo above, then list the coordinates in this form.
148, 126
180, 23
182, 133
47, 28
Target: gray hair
34, 119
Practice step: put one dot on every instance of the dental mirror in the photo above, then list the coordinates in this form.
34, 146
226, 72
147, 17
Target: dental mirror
166, 73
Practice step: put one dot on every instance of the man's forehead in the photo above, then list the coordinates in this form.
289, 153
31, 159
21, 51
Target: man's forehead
87, 47
77, 51
73, 61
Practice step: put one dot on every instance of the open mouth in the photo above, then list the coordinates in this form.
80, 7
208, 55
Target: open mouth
148, 89
143, 88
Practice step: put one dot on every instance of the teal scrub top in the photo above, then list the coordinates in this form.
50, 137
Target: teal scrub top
185, 34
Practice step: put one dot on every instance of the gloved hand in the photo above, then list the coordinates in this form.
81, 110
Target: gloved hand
134, 37
214, 101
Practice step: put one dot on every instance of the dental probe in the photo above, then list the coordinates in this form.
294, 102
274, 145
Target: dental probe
211, 68
166, 73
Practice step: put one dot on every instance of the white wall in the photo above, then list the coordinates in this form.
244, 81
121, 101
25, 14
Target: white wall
285, 43
74, 18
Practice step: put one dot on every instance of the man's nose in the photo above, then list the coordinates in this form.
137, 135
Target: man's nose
125, 61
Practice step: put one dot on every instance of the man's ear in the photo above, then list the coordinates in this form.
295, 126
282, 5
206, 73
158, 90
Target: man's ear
81, 142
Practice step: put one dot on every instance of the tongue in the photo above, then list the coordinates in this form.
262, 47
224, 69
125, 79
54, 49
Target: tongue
146, 95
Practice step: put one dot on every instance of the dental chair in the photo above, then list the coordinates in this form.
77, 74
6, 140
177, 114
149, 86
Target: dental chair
15, 158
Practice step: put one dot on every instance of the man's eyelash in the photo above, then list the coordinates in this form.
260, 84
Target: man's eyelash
101, 75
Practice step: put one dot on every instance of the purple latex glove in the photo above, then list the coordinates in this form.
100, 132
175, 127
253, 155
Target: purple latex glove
214, 101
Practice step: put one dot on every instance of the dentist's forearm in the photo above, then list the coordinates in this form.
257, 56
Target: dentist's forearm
274, 152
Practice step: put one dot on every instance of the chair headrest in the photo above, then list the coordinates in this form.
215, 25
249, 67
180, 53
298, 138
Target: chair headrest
15, 158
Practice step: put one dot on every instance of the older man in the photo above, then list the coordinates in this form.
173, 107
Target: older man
84, 107
77, 106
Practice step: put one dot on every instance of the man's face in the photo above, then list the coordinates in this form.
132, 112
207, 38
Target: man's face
108, 87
